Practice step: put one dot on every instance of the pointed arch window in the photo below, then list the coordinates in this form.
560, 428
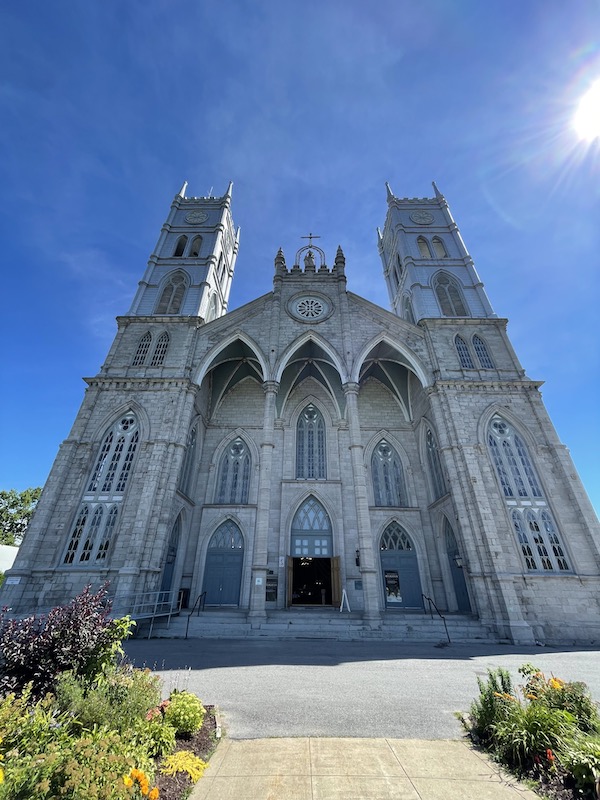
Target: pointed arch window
212, 308
234, 474
482, 353
180, 246
311, 531
310, 444
187, 472
227, 537
435, 466
93, 531
533, 524
387, 474
172, 294
395, 537
424, 249
195, 247
160, 351
439, 248
142, 350
464, 355
449, 297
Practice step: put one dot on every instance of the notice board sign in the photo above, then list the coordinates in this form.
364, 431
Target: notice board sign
392, 586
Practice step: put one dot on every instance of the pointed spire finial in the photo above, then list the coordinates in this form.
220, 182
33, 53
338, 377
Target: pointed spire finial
229, 189
390, 194
438, 194
340, 258
181, 192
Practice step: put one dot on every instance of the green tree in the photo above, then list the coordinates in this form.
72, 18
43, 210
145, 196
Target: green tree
16, 509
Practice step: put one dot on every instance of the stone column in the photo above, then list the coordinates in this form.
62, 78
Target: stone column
368, 568
261, 532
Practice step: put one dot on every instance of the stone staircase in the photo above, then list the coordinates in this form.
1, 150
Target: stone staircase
320, 623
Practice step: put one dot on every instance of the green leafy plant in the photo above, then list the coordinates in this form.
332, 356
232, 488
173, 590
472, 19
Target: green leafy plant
80, 637
553, 692
184, 761
582, 760
532, 730
494, 704
156, 735
185, 713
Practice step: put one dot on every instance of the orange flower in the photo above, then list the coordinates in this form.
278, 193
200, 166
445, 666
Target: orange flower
550, 755
153, 794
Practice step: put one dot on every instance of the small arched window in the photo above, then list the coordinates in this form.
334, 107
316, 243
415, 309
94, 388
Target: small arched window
187, 471
212, 308
310, 444
387, 474
464, 355
142, 350
511, 459
435, 466
311, 531
160, 350
449, 297
407, 310
482, 353
227, 537
172, 294
195, 247
439, 248
395, 537
424, 249
180, 246
234, 474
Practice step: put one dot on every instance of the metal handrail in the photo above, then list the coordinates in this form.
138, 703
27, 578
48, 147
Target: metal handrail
200, 600
439, 613
149, 605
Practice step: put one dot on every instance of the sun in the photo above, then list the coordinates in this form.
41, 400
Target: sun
587, 117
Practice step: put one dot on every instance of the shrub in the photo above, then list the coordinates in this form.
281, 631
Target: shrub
494, 704
184, 761
531, 731
582, 760
80, 637
156, 735
118, 698
185, 713
32, 727
573, 697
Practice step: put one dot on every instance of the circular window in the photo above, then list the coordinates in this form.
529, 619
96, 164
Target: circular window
309, 308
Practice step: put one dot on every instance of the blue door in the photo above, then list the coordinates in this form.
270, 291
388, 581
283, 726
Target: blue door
400, 569
223, 568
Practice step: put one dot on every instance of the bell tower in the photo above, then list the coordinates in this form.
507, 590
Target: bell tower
191, 269
427, 268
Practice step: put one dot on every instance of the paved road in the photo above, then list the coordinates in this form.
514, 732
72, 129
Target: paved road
327, 688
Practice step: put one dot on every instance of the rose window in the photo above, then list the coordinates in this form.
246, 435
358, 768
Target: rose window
310, 308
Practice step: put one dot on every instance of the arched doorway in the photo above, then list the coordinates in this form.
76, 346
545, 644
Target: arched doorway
455, 562
400, 569
313, 572
223, 568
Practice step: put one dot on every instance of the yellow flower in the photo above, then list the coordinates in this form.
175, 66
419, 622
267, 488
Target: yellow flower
1, 775
127, 781
556, 683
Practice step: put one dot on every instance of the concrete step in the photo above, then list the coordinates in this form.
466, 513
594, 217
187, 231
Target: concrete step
321, 624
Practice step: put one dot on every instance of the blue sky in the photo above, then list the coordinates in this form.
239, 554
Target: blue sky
308, 107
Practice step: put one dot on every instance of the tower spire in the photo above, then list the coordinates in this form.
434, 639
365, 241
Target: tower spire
181, 192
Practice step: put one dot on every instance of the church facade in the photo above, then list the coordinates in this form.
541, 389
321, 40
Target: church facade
310, 444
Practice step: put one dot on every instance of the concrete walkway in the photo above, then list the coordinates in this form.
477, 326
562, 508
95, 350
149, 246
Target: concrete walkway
355, 769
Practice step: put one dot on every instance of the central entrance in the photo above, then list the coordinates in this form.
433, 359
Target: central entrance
313, 574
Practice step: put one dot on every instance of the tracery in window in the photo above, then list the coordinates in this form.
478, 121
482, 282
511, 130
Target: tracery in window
180, 246
449, 296
482, 353
464, 355
227, 537
395, 537
310, 444
439, 247
93, 530
387, 474
160, 350
311, 531
142, 350
423, 245
234, 474
435, 466
195, 247
172, 294
534, 527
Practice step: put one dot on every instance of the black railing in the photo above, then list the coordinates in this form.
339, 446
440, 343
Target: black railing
432, 605
200, 600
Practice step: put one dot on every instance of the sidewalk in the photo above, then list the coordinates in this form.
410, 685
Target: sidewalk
353, 769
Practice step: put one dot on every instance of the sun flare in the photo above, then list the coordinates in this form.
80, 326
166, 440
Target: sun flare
587, 117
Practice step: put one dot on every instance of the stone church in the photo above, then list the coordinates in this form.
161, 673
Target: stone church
311, 448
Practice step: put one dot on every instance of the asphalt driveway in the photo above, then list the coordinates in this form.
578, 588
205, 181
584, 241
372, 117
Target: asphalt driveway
358, 689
